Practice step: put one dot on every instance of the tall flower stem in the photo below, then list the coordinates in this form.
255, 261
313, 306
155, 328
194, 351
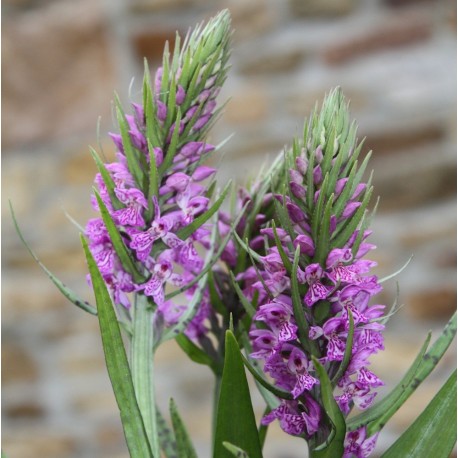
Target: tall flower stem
142, 367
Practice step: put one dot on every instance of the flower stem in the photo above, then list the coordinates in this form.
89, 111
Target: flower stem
142, 366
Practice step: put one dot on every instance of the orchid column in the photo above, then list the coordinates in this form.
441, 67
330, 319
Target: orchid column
154, 206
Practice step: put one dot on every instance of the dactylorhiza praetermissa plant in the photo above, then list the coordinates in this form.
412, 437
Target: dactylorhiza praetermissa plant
153, 193
284, 279
311, 287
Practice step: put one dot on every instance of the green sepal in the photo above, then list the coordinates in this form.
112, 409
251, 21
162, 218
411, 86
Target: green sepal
67, 292
118, 244
335, 443
183, 441
235, 421
434, 431
117, 364
236, 451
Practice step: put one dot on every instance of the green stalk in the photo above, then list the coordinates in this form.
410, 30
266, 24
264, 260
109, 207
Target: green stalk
142, 366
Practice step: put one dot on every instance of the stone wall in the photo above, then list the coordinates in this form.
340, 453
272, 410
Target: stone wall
395, 60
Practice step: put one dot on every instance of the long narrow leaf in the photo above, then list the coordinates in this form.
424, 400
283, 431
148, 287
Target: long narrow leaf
378, 409
433, 433
235, 422
117, 365
166, 436
423, 365
183, 441
67, 292
428, 363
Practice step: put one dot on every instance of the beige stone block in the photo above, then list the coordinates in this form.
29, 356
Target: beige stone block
249, 104
399, 30
18, 365
58, 72
310, 8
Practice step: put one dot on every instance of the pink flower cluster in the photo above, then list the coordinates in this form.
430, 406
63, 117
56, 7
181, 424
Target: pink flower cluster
331, 292
149, 227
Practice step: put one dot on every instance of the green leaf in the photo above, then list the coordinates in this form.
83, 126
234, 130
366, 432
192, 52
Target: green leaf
117, 365
378, 409
195, 353
235, 422
334, 447
118, 244
67, 292
433, 433
166, 436
184, 444
142, 366
236, 451
377, 416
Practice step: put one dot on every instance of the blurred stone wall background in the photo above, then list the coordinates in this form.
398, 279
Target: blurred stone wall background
62, 60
